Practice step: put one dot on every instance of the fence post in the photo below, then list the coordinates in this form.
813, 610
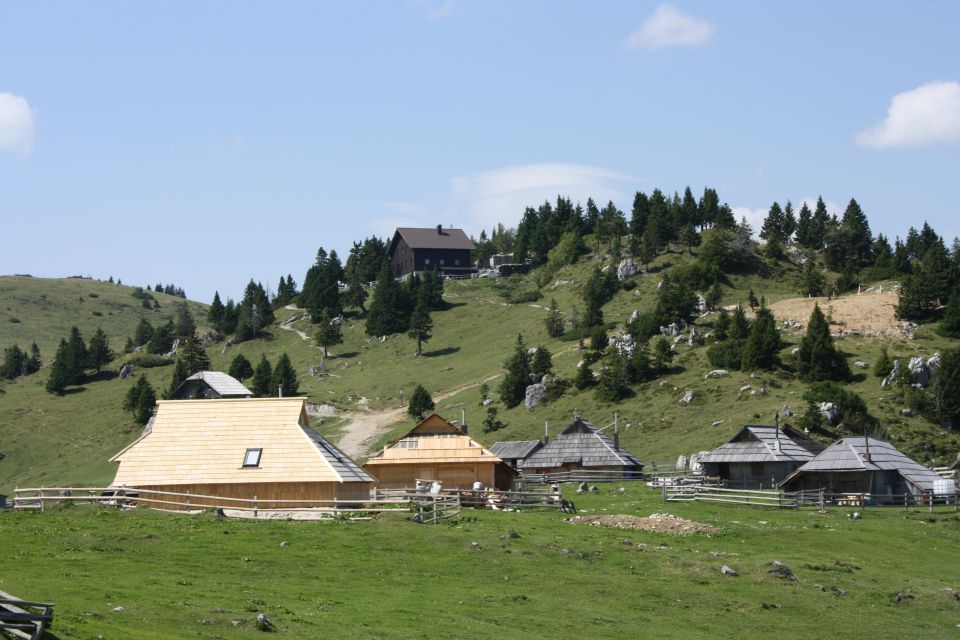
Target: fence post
905, 502
930, 500
254, 506
823, 503
663, 488
41, 499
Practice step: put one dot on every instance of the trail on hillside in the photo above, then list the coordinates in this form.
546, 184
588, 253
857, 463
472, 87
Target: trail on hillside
366, 426
287, 325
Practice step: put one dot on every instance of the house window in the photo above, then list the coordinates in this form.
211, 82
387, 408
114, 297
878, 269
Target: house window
426, 261
441, 262
456, 262
252, 458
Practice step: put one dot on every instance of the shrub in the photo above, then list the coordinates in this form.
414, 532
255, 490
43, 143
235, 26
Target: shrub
726, 354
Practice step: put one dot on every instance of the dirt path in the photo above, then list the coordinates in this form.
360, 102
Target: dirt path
287, 325
366, 426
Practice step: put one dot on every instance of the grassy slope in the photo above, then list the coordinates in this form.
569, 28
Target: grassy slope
491, 575
51, 440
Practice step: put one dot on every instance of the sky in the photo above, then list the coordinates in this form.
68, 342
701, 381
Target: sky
207, 143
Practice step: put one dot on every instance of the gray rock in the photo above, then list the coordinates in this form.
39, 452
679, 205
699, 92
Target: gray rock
660, 285
861, 364
933, 362
624, 344
920, 371
786, 412
729, 571
626, 269
126, 371
702, 304
687, 398
534, 395
681, 463
717, 373
829, 412
745, 388
794, 351
633, 315
583, 487
906, 412
284, 544
680, 340
119, 609
487, 401
886, 382
781, 570
716, 423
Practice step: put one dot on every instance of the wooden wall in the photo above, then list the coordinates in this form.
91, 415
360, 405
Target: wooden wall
264, 492
451, 476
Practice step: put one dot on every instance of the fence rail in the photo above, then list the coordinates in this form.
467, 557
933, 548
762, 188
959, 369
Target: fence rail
580, 475
488, 498
819, 498
707, 493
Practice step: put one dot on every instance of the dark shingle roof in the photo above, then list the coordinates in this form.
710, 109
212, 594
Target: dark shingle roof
759, 443
347, 468
431, 239
515, 449
583, 444
224, 385
850, 454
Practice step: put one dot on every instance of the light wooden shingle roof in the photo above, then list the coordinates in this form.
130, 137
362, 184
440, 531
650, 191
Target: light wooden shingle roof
204, 442
225, 385
515, 449
583, 444
850, 455
759, 443
434, 440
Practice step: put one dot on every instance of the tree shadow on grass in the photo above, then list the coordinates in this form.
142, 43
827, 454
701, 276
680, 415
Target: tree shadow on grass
103, 376
345, 354
73, 391
441, 352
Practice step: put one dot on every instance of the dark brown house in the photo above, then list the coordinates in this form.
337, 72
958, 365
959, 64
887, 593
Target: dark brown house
416, 250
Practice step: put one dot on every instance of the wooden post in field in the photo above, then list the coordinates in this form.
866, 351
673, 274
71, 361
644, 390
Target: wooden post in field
254, 506
41, 499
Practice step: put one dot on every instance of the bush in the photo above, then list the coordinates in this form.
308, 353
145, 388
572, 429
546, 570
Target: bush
726, 354
853, 410
148, 360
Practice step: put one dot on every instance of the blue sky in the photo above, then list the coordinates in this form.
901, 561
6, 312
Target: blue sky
207, 143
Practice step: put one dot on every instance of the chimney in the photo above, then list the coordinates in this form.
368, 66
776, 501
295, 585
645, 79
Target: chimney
280, 391
866, 444
776, 429
439, 229
463, 420
546, 431
616, 431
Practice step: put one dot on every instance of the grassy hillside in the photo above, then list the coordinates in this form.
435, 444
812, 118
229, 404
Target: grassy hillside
48, 439
490, 575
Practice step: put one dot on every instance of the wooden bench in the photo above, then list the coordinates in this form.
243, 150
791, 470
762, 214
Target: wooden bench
23, 619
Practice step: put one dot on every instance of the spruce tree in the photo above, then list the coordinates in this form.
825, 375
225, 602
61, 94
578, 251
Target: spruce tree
263, 378
99, 353
721, 326
420, 403
584, 377
804, 225
215, 313
356, 295
818, 359
146, 401
59, 375
14, 363
513, 387
180, 373
193, 355
285, 377
883, 366
143, 333
943, 389
762, 348
950, 324
162, 339
542, 362
35, 362
240, 368
420, 322
385, 316
662, 354
772, 229
432, 287
812, 281
739, 326
614, 382
184, 325
328, 332
819, 224
554, 321
230, 318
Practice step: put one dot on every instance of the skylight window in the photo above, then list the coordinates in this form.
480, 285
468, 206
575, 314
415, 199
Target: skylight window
252, 458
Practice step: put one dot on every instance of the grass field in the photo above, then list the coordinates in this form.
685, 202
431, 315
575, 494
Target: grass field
490, 575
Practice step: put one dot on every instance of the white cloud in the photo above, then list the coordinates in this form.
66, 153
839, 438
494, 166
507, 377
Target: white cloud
667, 27
482, 200
754, 216
16, 124
432, 9
929, 114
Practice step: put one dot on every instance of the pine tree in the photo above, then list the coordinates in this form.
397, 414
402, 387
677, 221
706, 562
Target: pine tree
420, 322
193, 355
554, 321
818, 359
739, 327
804, 225
328, 332
162, 339
542, 362
662, 354
761, 350
14, 363
215, 313
143, 332
943, 389
883, 366
240, 368
812, 281
180, 373
513, 387
99, 353
285, 377
950, 324
385, 316
263, 378
721, 326
584, 377
420, 403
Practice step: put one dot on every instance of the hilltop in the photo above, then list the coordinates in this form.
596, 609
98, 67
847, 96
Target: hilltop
50, 439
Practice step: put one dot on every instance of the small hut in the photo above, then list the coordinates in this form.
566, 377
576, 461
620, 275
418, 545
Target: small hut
210, 385
239, 448
862, 465
437, 450
582, 446
760, 456
513, 452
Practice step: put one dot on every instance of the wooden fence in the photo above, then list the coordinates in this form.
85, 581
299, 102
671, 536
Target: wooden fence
428, 509
39, 498
518, 500
23, 619
580, 475
819, 498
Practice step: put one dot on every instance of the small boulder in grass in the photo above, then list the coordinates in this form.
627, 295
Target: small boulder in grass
727, 570
781, 570
264, 624
903, 596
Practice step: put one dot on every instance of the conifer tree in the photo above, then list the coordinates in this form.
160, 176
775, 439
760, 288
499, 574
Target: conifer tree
215, 313
638, 221
804, 225
59, 374
143, 332
772, 229
420, 322
356, 295
263, 378
420, 403
285, 377
140, 400
554, 321
14, 363
584, 377
812, 281
230, 317
739, 327
950, 324
162, 339
943, 389
513, 387
818, 359
184, 325
761, 350
193, 355
99, 353
721, 326
255, 312
542, 362
180, 373
883, 366
328, 332
35, 362
385, 315
614, 382
789, 222
240, 368
432, 287
662, 354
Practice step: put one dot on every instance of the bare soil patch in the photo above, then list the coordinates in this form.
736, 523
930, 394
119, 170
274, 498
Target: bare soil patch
657, 522
870, 314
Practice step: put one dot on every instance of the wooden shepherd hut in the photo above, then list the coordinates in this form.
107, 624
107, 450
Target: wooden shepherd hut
210, 385
862, 465
239, 448
436, 450
760, 456
582, 446
513, 452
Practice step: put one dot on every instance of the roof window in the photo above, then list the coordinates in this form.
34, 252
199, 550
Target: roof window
252, 458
